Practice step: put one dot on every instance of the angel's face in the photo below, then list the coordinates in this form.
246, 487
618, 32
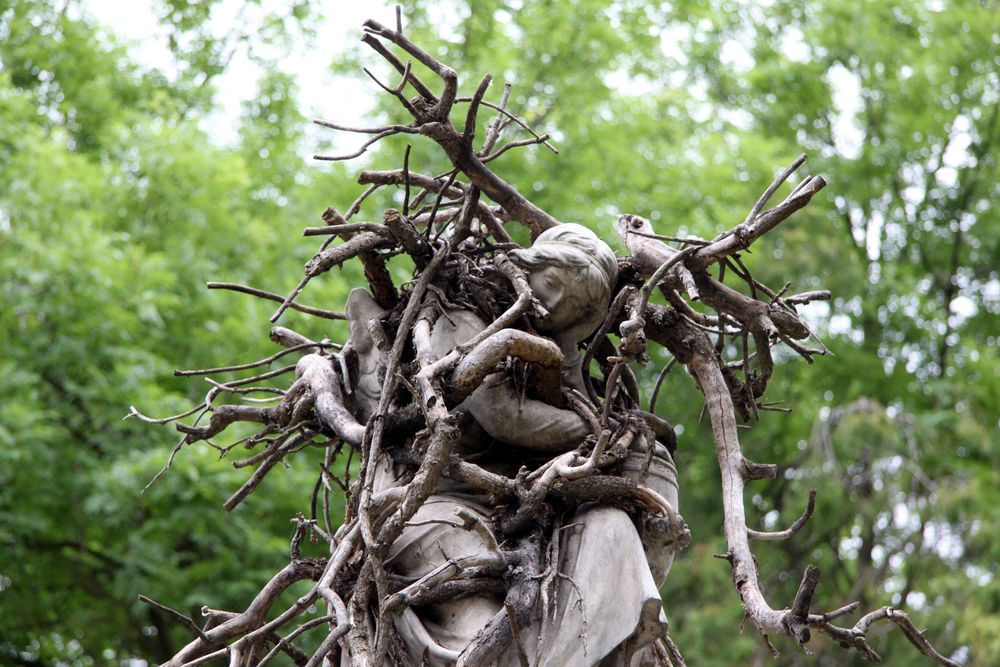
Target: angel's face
561, 294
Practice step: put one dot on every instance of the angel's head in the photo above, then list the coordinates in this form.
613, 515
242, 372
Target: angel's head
572, 272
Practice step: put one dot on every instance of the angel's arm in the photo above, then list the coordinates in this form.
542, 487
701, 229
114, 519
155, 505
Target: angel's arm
498, 408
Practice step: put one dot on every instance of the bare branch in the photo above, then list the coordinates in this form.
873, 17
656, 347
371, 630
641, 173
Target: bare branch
406, 176
397, 177
479, 362
493, 132
791, 530
806, 297
350, 228
659, 383
286, 640
501, 109
515, 144
309, 310
327, 259
470, 118
397, 91
413, 80
781, 178
449, 76
368, 144
856, 637
453, 567
253, 616
356, 205
266, 361
288, 338
183, 618
362, 130
742, 236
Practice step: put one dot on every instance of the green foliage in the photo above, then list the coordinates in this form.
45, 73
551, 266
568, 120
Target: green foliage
116, 206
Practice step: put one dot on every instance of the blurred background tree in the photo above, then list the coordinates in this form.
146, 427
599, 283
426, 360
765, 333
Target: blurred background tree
119, 200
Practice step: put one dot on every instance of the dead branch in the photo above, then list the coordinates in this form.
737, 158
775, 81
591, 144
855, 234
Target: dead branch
253, 364
419, 591
433, 123
288, 338
740, 237
346, 228
271, 296
521, 595
324, 383
856, 636
481, 360
247, 620
791, 530
691, 347
650, 253
327, 259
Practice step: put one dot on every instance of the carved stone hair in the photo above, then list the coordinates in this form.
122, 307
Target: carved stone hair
574, 247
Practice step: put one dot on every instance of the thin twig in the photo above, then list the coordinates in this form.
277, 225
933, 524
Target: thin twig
781, 178
186, 620
515, 144
368, 144
791, 530
266, 361
524, 125
345, 229
659, 382
406, 176
686, 240
495, 128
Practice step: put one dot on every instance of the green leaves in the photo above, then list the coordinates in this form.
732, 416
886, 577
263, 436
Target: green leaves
114, 212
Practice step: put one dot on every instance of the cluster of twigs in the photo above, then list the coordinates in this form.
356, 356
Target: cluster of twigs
458, 243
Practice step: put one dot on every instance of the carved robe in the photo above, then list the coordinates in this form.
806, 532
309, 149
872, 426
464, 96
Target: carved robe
606, 610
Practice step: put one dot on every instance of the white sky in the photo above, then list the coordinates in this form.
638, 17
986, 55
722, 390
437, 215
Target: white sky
342, 99
323, 95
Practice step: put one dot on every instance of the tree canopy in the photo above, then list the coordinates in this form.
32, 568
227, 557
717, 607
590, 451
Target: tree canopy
116, 206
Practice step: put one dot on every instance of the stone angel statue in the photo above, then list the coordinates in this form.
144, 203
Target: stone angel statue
605, 608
